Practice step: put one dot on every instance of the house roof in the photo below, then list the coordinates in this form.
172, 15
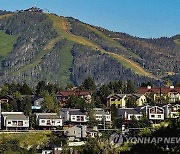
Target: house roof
15, 116
101, 112
137, 95
76, 113
68, 109
116, 96
48, 117
66, 93
121, 111
82, 93
143, 90
36, 97
73, 92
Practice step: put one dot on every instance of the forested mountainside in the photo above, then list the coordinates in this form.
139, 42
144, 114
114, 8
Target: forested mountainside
38, 46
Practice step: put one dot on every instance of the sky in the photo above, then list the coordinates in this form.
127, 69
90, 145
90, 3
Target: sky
141, 18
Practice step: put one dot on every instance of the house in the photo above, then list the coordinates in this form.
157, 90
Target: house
84, 94
76, 132
64, 95
93, 133
140, 99
171, 110
37, 102
48, 120
155, 113
73, 115
129, 113
15, 120
118, 99
101, 115
171, 93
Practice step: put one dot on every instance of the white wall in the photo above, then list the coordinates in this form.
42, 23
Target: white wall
14, 123
52, 122
74, 118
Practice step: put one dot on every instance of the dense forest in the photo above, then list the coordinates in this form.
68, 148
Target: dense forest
37, 46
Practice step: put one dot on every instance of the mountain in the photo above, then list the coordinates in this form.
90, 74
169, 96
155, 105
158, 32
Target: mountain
38, 46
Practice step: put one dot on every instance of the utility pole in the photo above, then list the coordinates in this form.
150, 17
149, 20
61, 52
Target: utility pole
104, 118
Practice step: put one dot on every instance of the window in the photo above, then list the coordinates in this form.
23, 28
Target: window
48, 122
78, 118
112, 99
20, 123
9, 122
159, 116
43, 121
82, 118
152, 116
138, 117
14, 122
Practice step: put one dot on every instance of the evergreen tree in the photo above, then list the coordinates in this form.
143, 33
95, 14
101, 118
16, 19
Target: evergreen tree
27, 106
130, 87
89, 84
25, 89
131, 102
103, 93
41, 86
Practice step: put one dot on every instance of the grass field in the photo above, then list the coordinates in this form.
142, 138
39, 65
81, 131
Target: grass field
6, 43
111, 41
61, 25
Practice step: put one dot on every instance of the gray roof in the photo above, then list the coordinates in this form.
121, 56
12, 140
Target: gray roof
101, 112
68, 109
16, 117
76, 113
116, 95
48, 117
121, 111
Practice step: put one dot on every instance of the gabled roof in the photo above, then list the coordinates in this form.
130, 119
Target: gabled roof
121, 111
116, 96
66, 93
36, 97
47, 116
137, 95
82, 93
14, 115
73, 92
76, 113
144, 90
157, 90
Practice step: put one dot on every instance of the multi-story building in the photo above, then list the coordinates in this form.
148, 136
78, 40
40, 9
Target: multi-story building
171, 110
73, 115
48, 120
15, 120
119, 100
101, 115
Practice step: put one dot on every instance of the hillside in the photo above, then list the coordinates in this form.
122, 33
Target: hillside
38, 46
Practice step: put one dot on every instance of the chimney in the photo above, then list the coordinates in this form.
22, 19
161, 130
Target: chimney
171, 87
148, 87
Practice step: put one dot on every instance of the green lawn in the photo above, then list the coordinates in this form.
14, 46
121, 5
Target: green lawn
6, 43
